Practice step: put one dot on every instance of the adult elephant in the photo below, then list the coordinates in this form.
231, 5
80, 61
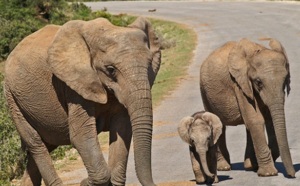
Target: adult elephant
65, 84
244, 82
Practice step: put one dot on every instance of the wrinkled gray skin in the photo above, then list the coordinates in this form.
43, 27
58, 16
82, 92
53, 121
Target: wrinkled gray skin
202, 131
244, 83
65, 84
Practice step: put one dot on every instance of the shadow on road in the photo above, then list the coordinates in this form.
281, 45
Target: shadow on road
224, 178
279, 166
221, 178
237, 166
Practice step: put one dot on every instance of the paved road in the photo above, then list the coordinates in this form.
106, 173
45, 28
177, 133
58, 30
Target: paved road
216, 23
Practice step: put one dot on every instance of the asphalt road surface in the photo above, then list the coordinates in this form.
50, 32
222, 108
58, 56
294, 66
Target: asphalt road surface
216, 23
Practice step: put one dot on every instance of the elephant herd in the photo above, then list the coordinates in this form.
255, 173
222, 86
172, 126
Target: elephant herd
66, 84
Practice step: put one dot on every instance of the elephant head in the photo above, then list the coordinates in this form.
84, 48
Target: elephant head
263, 74
97, 59
201, 130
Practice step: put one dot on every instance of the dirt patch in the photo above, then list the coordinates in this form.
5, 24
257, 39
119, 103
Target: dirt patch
180, 183
204, 24
264, 39
163, 136
161, 123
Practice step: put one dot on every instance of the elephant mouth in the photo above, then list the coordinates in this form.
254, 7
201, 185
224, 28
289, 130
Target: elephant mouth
114, 91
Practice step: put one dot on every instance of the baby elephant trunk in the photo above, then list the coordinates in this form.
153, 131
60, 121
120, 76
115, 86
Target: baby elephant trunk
203, 161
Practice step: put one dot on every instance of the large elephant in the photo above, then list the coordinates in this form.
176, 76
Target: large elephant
202, 131
244, 83
65, 84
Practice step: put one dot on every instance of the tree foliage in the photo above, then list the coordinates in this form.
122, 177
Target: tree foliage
12, 156
19, 18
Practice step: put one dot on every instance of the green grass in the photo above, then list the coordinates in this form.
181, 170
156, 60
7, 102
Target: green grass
182, 42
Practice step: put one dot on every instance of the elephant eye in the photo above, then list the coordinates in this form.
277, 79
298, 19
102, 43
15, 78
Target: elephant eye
111, 70
258, 83
192, 141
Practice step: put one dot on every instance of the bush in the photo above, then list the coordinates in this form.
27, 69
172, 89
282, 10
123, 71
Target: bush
12, 157
19, 18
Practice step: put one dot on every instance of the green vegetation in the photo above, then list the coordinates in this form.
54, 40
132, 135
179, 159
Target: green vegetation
19, 18
180, 42
11, 155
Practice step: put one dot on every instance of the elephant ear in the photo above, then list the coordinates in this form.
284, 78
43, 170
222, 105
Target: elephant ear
276, 46
216, 124
70, 60
183, 128
154, 45
238, 65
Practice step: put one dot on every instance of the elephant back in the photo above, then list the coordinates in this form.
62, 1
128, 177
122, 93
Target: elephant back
29, 79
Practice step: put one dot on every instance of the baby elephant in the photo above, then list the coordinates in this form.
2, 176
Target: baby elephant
202, 131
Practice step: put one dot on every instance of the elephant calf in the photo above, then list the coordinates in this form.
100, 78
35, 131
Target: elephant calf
246, 83
202, 131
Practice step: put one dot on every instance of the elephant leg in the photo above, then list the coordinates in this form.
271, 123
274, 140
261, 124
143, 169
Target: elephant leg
195, 159
250, 162
34, 144
272, 141
120, 139
32, 175
84, 137
255, 123
262, 151
222, 152
212, 163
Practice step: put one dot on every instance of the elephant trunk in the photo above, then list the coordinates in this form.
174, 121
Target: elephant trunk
140, 112
278, 117
203, 161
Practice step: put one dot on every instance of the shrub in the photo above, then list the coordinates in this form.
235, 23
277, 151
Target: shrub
12, 156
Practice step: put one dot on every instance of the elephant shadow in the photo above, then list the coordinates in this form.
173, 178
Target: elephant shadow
279, 166
281, 169
221, 178
240, 167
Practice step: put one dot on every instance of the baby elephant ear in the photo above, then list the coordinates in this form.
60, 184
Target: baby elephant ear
277, 46
70, 61
183, 128
216, 124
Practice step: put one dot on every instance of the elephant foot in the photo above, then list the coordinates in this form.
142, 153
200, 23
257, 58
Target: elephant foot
223, 165
250, 166
85, 182
216, 179
267, 171
200, 179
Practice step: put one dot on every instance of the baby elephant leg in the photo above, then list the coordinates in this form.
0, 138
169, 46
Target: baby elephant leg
199, 174
222, 153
